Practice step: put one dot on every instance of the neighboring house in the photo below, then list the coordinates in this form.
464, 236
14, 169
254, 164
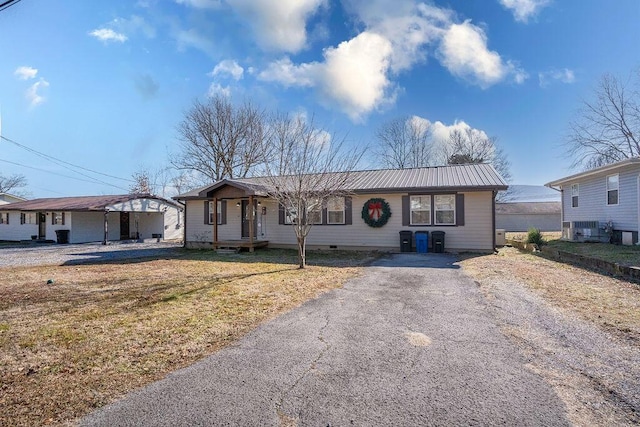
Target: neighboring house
92, 218
592, 199
9, 198
523, 207
457, 199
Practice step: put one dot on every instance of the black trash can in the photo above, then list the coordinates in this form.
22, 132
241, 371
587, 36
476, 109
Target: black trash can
437, 237
405, 240
422, 242
62, 236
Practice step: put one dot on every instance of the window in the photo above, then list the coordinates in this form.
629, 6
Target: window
335, 210
575, 192
4, 217
445, 209
420, 210
57, 218
612, 189
27, 218
218, 212
314, 212
290, 216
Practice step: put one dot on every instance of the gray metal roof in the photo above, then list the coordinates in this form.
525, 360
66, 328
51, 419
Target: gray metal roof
81, 203
529, 208
437, 178
601, 170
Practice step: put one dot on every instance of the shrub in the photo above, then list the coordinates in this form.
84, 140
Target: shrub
535, 236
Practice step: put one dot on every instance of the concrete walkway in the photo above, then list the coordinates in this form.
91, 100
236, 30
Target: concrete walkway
408, 344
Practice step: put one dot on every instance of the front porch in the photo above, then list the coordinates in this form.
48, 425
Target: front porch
236, 245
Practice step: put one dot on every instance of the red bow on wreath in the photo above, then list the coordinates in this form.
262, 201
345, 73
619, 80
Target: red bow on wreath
375, 210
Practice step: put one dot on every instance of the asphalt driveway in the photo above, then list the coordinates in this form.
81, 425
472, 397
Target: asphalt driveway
409, 343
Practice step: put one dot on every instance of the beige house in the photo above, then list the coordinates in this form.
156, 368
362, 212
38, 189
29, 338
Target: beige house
456, 199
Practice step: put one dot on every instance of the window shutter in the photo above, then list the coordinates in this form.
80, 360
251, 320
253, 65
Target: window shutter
206, 212
348, 211
325, 219
7, 218
280, 214
22, 218
53, 218
459, 209
406, 210
223, 213
62, 218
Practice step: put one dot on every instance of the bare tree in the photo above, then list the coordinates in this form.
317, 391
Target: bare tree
13, 184
310, 169
404, 142
608, 127
220, 140
142, 183
474, 146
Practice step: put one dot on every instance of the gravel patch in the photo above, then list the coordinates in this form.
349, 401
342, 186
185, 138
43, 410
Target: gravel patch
54, 254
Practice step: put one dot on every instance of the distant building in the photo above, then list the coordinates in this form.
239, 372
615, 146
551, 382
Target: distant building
6, 198
523, 207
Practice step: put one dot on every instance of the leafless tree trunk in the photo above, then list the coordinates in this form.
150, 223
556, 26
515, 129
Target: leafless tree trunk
404, 142
608, 127
220, 140
13, 184
309, 169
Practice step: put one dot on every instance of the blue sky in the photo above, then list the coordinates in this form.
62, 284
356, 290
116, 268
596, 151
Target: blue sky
104, 84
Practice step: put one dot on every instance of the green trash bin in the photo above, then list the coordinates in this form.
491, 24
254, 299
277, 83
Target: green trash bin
437, 238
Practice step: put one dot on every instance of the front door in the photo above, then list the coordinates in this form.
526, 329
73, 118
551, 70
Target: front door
246, 213
124, 225
42, 225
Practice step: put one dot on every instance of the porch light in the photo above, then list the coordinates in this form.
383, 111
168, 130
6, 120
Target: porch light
238, 204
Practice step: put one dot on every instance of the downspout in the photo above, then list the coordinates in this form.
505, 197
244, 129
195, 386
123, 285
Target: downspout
184, 222
106, 227
493, 217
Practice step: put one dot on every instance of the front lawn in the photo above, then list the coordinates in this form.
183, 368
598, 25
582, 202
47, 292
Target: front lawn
623, 255
73, 338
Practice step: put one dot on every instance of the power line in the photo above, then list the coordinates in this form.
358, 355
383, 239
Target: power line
92, 180
7, 4
59, 162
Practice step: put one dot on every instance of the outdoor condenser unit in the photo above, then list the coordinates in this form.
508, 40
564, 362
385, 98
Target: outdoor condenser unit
583, 231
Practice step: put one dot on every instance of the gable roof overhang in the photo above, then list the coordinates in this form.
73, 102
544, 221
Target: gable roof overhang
80, 204
602, 170
244, 189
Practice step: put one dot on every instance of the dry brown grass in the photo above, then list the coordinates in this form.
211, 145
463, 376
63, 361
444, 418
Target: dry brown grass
608, 302
101, 330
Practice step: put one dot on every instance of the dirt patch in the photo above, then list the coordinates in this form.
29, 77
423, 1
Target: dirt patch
99, 331
580, 330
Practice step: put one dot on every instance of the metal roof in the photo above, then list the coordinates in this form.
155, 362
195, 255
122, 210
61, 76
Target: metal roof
81, 203
529, 208
437, 178
602, 169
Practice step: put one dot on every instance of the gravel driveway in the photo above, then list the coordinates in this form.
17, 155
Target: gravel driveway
410, 342
47, 254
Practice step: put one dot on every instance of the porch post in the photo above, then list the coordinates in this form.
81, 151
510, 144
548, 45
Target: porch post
251, 216
215, 222
106, 227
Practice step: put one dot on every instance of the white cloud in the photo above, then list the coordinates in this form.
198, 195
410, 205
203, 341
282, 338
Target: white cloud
201, 4
524, 9
216, 89
465, 53
279, 25
193, 39
33, 93
564, 75
108, 35
229, 67
353, 75
25, 73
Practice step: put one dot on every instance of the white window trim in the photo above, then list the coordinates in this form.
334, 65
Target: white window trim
435, 210
218, 212
343, 210
411, 210
613, 189
577, 186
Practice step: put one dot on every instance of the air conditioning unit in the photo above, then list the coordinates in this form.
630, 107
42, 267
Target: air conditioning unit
583, 231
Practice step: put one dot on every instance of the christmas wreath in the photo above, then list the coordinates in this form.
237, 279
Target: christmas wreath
376, 212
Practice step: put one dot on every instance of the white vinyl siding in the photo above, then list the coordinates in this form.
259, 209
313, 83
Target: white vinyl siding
593, 200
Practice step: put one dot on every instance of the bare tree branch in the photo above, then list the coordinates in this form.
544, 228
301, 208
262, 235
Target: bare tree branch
607, 129
404, 142
13, 184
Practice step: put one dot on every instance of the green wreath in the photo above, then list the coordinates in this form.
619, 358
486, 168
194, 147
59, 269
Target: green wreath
376, 212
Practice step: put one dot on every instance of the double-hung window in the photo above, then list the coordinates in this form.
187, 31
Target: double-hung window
314, 211
335, 210
57, 218
445, 209
575, 194
420, 210
613, 185
27, 218
4, 217
218, 212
